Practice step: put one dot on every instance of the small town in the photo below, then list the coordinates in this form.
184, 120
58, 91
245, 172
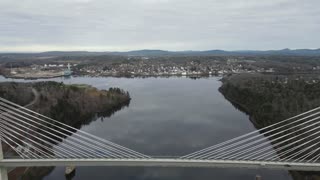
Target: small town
144, 67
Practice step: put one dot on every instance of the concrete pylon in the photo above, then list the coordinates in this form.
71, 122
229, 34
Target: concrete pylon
258, 177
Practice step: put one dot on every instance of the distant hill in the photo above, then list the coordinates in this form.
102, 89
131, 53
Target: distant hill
146, 52
297, 52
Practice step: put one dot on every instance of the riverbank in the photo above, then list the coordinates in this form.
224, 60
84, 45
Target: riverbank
192, 76
32, 73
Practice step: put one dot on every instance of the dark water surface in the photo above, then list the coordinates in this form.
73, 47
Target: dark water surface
167, 117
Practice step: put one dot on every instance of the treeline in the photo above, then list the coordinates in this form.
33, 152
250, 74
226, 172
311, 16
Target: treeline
74, 105
269, 98
16, 92
281, 61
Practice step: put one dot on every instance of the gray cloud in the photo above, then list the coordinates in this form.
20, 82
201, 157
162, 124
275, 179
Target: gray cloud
102, 25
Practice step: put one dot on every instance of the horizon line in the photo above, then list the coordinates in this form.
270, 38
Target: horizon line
126, 51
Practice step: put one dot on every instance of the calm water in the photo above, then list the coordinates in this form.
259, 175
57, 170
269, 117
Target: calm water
167, 116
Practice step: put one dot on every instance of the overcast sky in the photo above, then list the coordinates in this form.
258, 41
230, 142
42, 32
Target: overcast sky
120, 25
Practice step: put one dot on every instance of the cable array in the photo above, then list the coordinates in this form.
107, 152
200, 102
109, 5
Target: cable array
296, 139
35, 136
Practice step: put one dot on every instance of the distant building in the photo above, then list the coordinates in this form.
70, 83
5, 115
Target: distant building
13, 72
68, 71
271, 70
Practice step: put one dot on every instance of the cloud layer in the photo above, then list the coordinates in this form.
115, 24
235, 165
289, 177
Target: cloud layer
108, 25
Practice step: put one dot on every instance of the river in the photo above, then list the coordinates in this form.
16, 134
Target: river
166, 117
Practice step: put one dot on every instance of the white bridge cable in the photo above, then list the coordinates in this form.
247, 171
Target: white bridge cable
101, 149
295, 139
268, 143
73, 138
278, 156
79, 153
260, 140
292, 156
274, 147
84, 135
305, 158
26, 134
190, 156
63, 142
65, 134
40, 151
22, 145
281, 154
40, 139
213, 151
252, 149
315, 158
70, 127
4, 139
61, 151
225, 150
229, 150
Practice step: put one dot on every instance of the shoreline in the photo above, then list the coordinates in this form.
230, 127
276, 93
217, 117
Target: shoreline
31, 78
203, 75
116, 76
240, 107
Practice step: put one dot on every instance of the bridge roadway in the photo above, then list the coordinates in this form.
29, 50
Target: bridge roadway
160, 162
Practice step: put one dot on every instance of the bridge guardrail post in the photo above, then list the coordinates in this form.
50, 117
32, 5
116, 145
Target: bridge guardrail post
3, 173
3, 170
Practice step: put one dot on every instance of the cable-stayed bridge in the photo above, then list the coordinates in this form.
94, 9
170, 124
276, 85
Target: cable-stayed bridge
32, 139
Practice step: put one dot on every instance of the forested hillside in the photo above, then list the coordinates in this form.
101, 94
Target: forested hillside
271, 98
71, 104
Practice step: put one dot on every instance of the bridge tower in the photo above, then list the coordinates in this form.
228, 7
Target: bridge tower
3, 170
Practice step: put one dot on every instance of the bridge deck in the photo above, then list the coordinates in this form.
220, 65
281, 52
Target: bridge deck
161, 163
